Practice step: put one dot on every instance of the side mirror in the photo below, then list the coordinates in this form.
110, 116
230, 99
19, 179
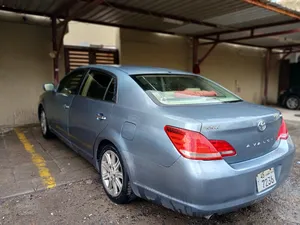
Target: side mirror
48, 87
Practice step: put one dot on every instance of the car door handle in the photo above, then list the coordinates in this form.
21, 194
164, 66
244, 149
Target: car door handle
100, 116
66, 106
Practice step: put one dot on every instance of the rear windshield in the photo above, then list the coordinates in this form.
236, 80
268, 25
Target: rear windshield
183, 89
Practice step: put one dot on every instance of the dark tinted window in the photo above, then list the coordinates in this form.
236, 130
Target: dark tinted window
71, 83
110, 94
99, 86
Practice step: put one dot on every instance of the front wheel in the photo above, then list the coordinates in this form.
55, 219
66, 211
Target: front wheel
44, 125
292, 102
114, 176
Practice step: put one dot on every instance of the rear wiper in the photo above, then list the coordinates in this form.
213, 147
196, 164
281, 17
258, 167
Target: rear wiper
233, 101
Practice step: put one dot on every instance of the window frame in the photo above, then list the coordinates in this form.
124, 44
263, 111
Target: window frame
115, 99
84, 70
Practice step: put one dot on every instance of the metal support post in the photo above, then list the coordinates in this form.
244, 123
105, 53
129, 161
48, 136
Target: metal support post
195, 68
55, 51
266, 77
207, 53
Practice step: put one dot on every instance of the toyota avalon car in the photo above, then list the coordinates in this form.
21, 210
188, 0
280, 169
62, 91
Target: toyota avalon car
171, 137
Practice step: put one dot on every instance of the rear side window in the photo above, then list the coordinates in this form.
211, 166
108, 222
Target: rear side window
100, 86
71, 83
183, 89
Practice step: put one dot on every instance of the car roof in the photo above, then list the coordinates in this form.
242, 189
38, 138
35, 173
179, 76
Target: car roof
133, 70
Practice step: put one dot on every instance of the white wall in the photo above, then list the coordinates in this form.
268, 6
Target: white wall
241, 69
84, 34
237, 68
152, 49
24, 66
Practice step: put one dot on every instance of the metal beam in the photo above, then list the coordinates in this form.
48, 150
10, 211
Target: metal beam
161, 15
208, 43
129, 27
266, 76
64, 8
61, 40
208, 52
289, 22
195, 50
273, 8
286, 52
55, 51
287, 46
253, 36
262, 35
28, 12
286, 55
212, 41
195, 68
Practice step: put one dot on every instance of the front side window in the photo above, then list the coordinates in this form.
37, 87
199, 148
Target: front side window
71, 83
183, 89
99, 86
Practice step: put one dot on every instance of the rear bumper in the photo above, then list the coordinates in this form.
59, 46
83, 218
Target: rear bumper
200, 188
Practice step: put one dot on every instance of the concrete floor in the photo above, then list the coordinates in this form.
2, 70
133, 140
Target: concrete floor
289, 115
79, 198
18, 173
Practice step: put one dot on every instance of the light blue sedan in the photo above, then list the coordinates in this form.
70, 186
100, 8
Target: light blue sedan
172, 137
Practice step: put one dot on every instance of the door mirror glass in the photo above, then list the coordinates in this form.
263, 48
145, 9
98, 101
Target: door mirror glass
48, 87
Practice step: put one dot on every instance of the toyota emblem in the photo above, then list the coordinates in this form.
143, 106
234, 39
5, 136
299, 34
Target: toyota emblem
261, 125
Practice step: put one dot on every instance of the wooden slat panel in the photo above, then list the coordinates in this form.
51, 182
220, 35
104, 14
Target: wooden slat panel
109, 58
109, 63
104, 54
104, 61
78, 64
78, 53
79, 60
81, 56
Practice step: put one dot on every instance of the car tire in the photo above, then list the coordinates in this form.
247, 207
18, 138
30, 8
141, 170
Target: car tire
114, 177
44, 125
292, 102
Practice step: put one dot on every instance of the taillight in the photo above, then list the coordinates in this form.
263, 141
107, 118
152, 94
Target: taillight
194, 145
283, 133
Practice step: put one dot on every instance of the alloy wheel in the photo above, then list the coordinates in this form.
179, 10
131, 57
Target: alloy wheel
112, 173
43, 122
292, 103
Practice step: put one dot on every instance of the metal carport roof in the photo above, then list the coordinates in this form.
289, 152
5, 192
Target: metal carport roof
248, 22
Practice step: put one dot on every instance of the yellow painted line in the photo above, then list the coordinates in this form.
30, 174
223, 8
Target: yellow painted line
37, 160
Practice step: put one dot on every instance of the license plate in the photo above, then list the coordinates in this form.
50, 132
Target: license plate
265, 179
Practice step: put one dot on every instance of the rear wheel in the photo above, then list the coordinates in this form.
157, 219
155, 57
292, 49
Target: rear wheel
44, 125
114, 176
292, 102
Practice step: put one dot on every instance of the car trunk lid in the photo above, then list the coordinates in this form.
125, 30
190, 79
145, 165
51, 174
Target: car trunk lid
251, 129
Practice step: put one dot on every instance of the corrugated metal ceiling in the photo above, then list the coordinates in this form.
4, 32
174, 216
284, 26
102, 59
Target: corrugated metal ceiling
189, 17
